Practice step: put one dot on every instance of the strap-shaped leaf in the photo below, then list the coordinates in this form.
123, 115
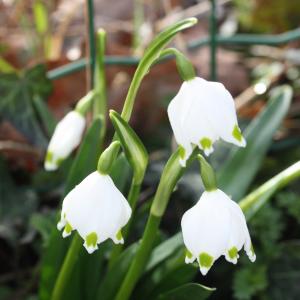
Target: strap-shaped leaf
240, 168
134, 149
84, 163
189, 291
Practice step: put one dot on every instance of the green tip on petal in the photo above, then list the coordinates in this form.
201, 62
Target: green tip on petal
68, 228
91, 239
188, 254
49, 156
119, 235
236, 133
181, 152
206, 143
205, 260
233, 252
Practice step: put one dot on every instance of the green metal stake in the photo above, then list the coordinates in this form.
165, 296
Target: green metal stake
91, 38
238, 39
213, 41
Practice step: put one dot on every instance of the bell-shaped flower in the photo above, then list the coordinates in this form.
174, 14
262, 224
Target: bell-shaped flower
66, 137
201, 113
215, 226
96, 209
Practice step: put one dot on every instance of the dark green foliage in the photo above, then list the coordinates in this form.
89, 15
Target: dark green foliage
17, 92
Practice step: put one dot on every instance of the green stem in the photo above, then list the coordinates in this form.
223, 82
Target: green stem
252, 202
213, 41
67, 268
170, 176
132, 200
138, 20
184, 66
150, 56
140, 259
91, 35
100, 103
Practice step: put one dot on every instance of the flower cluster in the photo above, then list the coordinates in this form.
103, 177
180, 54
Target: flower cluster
201, 113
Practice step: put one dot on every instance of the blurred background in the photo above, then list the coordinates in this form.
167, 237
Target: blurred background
43, 46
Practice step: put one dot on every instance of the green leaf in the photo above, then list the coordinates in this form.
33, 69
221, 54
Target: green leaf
169, 274
240, 168
44, 114
43, 224
249, 281
256, 199
113, 279
163, 251
17, 93
133, 147
6, 67
84, 163
17, 203
87, 157
40, 16
285, 273
189, 291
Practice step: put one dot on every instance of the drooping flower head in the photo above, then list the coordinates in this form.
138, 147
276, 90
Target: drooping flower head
96, 209
215, 226
201, 113
65, 139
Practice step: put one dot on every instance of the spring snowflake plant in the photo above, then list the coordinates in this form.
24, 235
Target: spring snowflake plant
201, 113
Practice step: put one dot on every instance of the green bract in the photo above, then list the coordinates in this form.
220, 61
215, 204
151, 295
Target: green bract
85, 103
108, 157
133, 147
207, 174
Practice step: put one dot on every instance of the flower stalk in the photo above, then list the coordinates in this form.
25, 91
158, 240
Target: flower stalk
100, 103
169, 178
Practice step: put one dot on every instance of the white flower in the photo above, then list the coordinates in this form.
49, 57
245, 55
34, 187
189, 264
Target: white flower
96, 209
66, 138
201, 113
215, 226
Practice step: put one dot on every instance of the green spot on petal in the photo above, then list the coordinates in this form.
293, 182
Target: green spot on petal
188, 254
252, 249
181, 152
91, 239
236, 133
205, 260
59, 161
68, 228
119, 235
49, 156
205, 143
233, 252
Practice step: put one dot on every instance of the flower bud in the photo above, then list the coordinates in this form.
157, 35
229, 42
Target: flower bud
66, 137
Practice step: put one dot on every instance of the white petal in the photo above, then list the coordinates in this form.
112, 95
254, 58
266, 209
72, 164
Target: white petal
244, 236
188, 121
65, 139
96, 206
206, 226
